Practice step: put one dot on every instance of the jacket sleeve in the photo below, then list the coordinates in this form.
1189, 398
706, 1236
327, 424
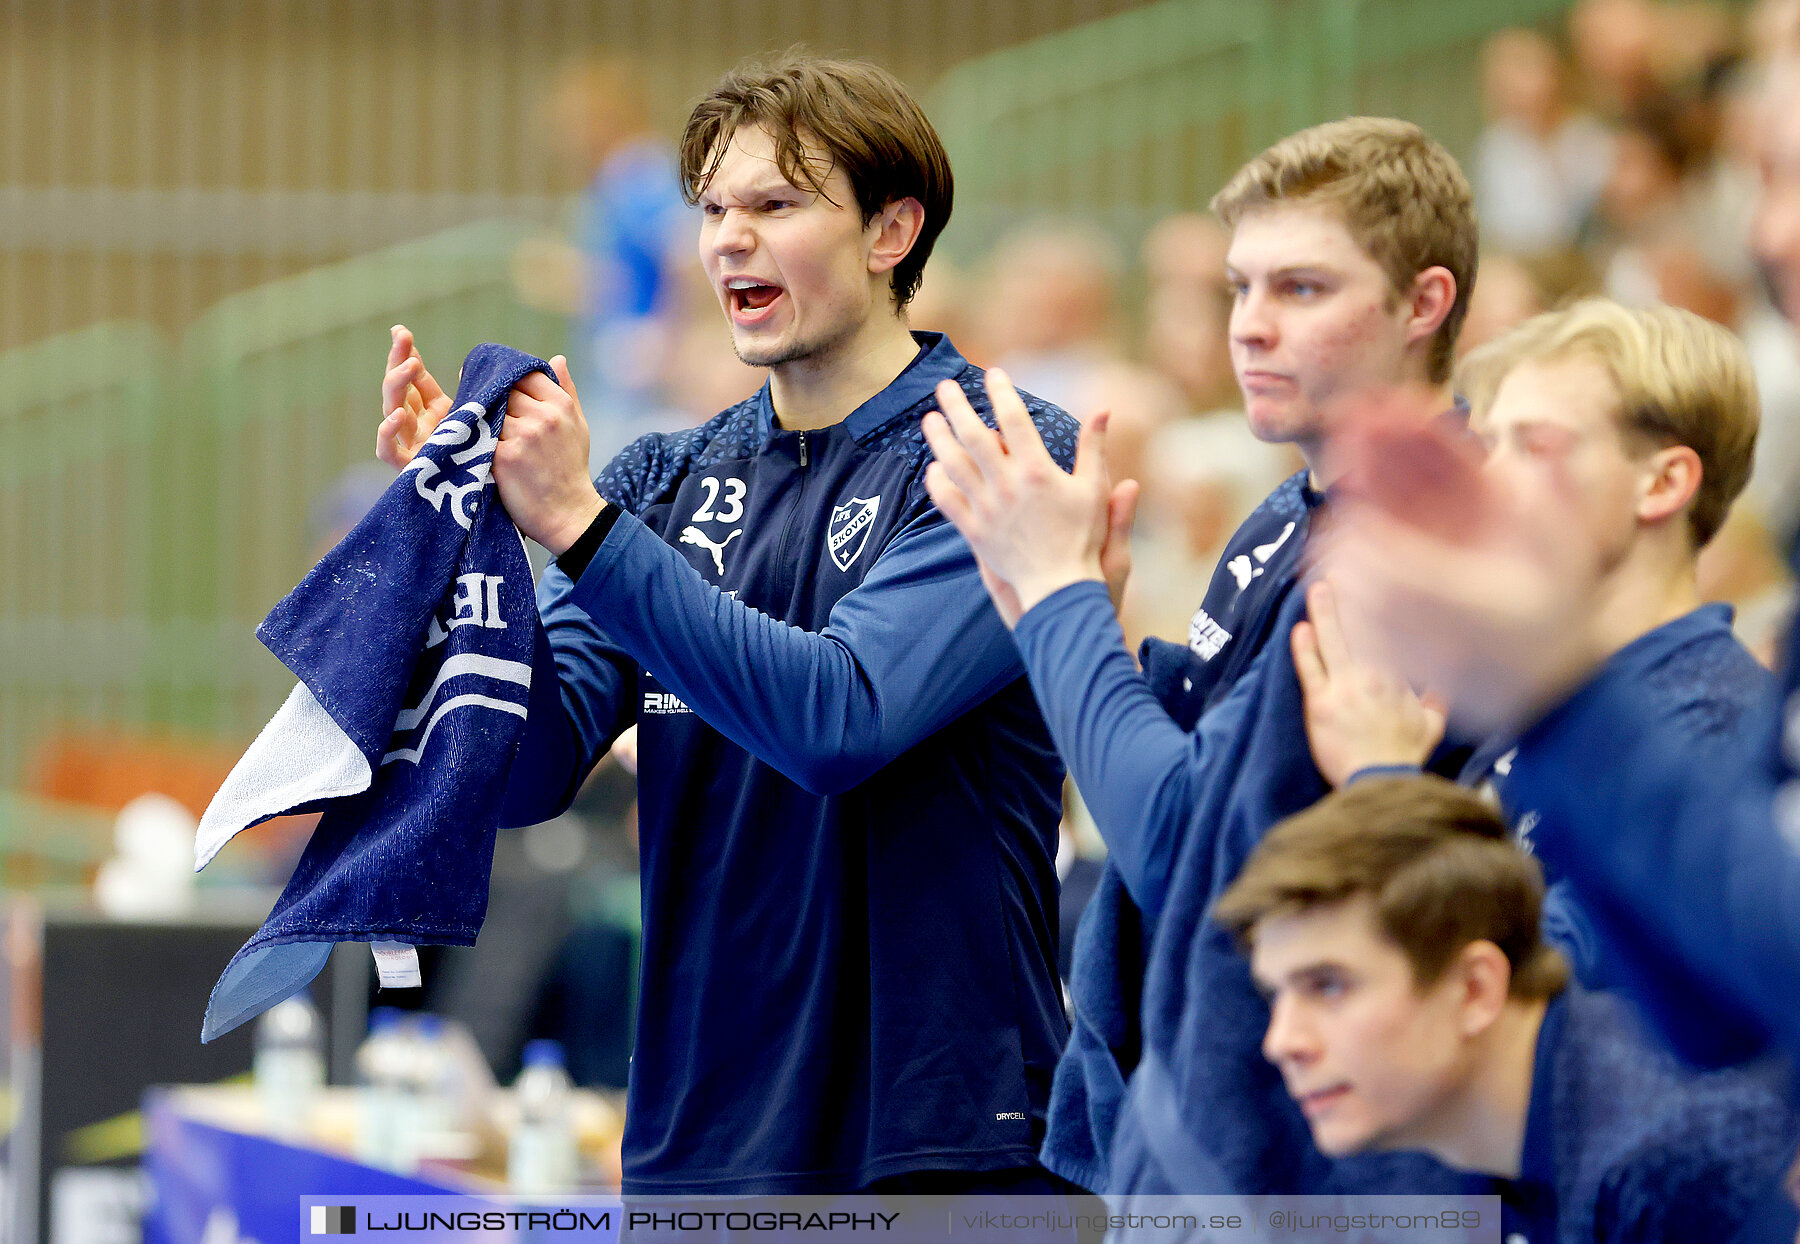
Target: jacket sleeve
910, 649
1691, 866
583, 696
1140, 774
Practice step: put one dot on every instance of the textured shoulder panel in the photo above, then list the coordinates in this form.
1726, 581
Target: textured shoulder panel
1711, 687
653, 464
904, 435
1289, 498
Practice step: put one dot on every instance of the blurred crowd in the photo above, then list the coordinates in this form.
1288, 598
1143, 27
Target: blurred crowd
1621, 160
1617, 158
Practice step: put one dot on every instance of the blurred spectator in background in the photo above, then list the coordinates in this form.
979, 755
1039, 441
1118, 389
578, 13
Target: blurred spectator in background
702, 374
1642, 209
1615, 44
1693, 40
1540, 165
942, 304
1775, 357
1187, 309
1719, 119
1142, 403
1507, 295
633, 233
1201, 478
1772, 28
1049, 306
1049, 316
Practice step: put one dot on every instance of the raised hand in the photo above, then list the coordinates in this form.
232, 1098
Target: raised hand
412, 402
1486, 597
1358, 712
1034, 527
541, 463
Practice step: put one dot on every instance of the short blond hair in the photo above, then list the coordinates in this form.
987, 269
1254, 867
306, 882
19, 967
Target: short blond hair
1680, 379
1402, 196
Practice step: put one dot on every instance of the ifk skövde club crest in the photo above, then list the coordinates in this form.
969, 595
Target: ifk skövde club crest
848, 530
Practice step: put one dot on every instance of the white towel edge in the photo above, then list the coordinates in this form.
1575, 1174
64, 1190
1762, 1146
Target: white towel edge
300, 756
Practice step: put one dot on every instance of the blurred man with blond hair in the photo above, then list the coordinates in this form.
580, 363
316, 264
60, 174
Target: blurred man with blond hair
1646, 419
1707, 906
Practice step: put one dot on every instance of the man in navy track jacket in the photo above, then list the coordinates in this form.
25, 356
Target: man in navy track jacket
1338, 298
848, 799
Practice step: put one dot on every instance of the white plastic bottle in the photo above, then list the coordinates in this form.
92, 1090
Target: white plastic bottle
382, 1125
431, 1087
289, 1065
541, 1157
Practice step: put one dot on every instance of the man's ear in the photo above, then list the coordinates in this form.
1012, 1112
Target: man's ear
1429, 301
1670, 481
894, 230
1483, 981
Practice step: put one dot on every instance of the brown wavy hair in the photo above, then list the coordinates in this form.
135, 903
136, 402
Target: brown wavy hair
1433, 858
854, 113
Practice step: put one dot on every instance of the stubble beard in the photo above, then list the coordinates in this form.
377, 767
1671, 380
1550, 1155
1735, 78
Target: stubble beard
798, 350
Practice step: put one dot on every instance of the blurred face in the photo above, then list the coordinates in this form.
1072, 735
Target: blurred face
1615, 42
1185, 326
1522, 79
1046, 294
1371, 1060
1777, 229
1642, 179
1315, 323
790, 266
1561, 417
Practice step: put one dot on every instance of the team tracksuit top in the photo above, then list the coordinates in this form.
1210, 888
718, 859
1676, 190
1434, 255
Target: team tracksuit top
848, 801
1702, 913
1236, 618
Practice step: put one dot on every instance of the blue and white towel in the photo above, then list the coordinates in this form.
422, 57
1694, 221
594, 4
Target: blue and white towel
413, 643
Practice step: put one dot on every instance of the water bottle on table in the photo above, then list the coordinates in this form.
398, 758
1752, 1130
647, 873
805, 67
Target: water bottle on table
289, 1065
541, 1157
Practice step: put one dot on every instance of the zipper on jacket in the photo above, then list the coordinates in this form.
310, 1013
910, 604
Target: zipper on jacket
787, 531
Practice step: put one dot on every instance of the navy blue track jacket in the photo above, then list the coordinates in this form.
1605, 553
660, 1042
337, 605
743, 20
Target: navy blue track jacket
1624, 1143
1235, 620
1690, 872
848, 802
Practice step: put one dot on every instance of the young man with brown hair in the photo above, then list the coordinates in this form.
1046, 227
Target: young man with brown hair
848, 800
1414, 1005
1352, 255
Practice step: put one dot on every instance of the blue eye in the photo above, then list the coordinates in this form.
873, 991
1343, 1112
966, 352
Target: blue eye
1327, 985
